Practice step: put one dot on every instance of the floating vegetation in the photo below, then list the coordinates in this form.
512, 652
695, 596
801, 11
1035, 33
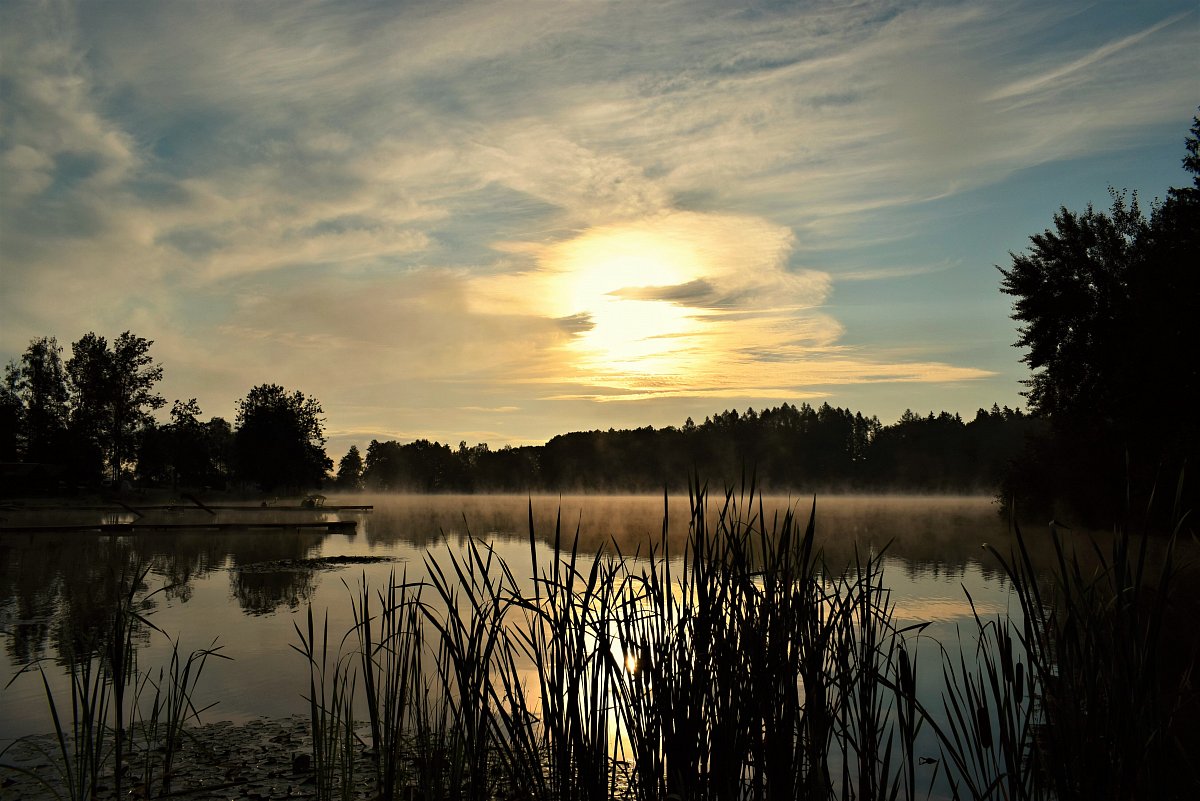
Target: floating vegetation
315, 563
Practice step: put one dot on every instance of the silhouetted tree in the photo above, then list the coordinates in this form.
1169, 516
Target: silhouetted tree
508, 469
112, 395
218, 436
1109, 306
280, 439
40, 384
350, 470
87, 372
12, 413
1073, 291
185, 452
189, 451
786, 448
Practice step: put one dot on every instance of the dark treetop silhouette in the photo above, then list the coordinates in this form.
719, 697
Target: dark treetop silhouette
1109, 307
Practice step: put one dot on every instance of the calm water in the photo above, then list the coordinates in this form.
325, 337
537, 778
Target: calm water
246, 588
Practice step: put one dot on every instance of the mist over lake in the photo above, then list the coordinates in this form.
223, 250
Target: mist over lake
247, 588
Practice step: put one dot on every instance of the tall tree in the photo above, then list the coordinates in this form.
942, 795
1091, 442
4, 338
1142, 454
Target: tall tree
185, 452
350, 470
280, 439
186, 443
40, 382
134, 377
12, 413
1073, 292
113, 393
1108, 306
87, 372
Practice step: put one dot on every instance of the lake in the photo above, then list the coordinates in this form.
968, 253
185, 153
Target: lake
246, 589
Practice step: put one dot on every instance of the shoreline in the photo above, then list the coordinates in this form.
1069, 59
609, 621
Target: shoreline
260, 759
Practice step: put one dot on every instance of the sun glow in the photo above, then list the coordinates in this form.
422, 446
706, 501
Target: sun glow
621, 279
682, 304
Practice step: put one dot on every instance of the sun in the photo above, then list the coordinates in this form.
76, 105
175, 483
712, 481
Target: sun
608, 259
620, 277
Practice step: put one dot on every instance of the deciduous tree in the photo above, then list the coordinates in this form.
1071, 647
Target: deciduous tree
279, 441
40, 384
12, 413
1109, 313
186, 452
112, 395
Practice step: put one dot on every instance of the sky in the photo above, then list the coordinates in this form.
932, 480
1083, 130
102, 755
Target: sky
500, 221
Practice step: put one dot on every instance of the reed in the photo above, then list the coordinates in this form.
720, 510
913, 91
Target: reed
101, 665
1073, 695
986, 728
472, 643
1106, 704
878, 722
390, 644
81, 744
737, 669
331, 687
741, 666
567, 634
756, 672
171, 707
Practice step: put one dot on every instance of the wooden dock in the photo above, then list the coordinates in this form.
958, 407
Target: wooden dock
150, 528
182, 507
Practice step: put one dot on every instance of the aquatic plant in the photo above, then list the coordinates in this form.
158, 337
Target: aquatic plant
1107, 699
743, 664
81, 742
744, 667
101, 664
390, 643
171, 707
1079, 692
331, 686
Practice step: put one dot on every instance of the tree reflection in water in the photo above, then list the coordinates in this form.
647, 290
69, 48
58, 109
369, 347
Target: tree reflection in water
268, 570
57, 589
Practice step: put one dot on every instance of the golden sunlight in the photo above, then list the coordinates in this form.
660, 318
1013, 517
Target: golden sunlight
684, 304
642, 334
663, 305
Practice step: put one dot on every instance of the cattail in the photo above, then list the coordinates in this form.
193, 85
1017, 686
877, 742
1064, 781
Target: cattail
984, 725
906, 677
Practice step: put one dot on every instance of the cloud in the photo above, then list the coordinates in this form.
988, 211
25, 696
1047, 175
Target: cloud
892, 272
698, 292
1074, 73
404, 200
736, 322
589, 187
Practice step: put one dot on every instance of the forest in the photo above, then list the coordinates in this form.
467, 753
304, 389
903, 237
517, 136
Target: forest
786, 448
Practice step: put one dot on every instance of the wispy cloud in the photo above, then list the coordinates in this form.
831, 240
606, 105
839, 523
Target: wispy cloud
1061, 76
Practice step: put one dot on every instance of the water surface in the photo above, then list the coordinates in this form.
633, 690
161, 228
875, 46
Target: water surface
246, 589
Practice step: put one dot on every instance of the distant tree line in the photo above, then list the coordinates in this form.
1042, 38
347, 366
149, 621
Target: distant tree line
797, 448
